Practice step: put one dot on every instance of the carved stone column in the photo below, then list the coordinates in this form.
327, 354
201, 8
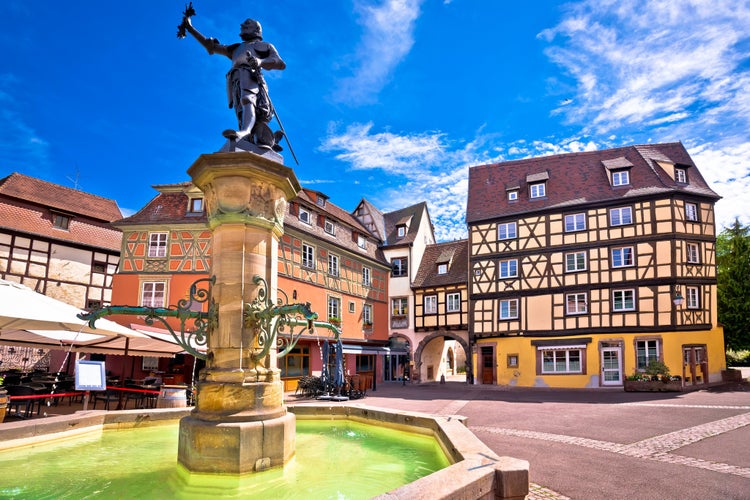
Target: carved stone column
239, 423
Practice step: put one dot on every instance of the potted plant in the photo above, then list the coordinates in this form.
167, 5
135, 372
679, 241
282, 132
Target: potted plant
655, 378
334, 320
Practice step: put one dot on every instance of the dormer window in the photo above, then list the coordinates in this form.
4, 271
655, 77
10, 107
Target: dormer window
442, 268
320, 201
513, 195
680, 175
620, 178
538, 190
401, 231
304, 215
60, 221
361, 241
195, 205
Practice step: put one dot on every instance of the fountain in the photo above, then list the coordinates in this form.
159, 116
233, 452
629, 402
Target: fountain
240, 424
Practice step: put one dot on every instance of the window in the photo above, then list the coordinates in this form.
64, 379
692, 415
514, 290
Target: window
330, 227
442, 268
367, 315
693, 300
333, 264
537, 190
453, 302
512, 195
508, 309
366, 276
691, 212
561, 361
575, 222
506, 231
508, 268
60, 221
400, 266
680, 175
334, 309
512, 360
150, 363
296, 363
320, 201
693, 253
352, 307
430, 304
99, 267
153, 293
646, 351
620, 216
196, 205
401, 231
308, 256
620, 178
304, 215
157, 245
575, 303
622, 257
400, 306
575, 261
361, 241
623, 300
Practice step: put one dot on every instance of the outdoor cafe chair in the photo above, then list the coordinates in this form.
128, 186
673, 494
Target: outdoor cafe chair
14, 391
107, 397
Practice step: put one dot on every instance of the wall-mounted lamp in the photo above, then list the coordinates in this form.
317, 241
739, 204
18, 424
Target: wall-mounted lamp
294, 294
678, 298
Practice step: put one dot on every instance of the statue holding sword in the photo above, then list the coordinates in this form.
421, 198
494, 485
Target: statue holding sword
247, 91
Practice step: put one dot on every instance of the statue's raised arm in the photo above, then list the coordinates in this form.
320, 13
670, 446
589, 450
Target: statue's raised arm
247, 92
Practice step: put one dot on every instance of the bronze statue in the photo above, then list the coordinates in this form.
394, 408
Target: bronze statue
246, 88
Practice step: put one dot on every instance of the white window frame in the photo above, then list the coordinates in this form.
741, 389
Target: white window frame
693, 253
329, 227
507, 309
151, 291
557, 356
361, 241
538, 190
620, 257
680, 175
578, 301
367, 314
453, 302
333, 264
157, 244
308, 256
620, 178
430, 304
507, 269
650, 349
400, 306
620, 216
334, 307
400, 231
691, 212
150, 363
442, 268
575, 262
366, 276
575, 222
305, 216
507, 231
513, 195
623, 297
692, 297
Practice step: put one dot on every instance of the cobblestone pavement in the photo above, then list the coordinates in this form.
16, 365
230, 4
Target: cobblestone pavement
695, 419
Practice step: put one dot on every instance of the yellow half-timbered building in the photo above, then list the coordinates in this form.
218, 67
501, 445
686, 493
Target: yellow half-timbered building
585, 267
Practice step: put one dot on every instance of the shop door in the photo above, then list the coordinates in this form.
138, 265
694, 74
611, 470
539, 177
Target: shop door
611, 366
488, 365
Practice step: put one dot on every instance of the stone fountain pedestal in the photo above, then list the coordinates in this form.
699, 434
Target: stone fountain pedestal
239, 423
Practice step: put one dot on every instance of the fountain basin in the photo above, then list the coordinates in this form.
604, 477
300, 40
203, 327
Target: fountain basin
476, 471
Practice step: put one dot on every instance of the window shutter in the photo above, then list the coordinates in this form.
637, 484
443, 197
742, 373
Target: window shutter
293, 209
321, 220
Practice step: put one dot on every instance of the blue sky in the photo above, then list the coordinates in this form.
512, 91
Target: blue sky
392, 100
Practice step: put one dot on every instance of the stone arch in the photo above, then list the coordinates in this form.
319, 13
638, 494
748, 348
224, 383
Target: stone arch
453, 336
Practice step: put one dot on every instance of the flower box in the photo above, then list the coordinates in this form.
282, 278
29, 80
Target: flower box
653, 386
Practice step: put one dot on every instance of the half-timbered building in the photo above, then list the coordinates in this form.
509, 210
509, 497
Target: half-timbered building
585, 267
441, 314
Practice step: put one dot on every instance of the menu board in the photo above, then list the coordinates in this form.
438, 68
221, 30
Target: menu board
90, 376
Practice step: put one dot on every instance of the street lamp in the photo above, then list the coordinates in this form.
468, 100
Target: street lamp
678, 298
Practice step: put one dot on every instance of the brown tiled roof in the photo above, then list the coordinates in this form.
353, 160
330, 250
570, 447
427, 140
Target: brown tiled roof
31, 219
169, 206
394, 219
457, 251
579, 178
46, 194
345, 224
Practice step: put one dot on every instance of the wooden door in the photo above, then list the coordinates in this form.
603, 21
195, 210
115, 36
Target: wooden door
488, 365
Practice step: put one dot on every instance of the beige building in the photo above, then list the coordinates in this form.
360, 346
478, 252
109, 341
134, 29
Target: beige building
585, 267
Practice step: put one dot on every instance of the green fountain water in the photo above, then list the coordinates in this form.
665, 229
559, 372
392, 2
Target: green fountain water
337, 459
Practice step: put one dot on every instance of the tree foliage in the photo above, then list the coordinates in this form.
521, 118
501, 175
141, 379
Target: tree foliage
733, 273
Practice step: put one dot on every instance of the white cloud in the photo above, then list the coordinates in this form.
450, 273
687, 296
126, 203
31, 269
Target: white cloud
386, 41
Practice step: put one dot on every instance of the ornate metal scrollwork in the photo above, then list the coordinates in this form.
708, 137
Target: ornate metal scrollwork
202, 321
